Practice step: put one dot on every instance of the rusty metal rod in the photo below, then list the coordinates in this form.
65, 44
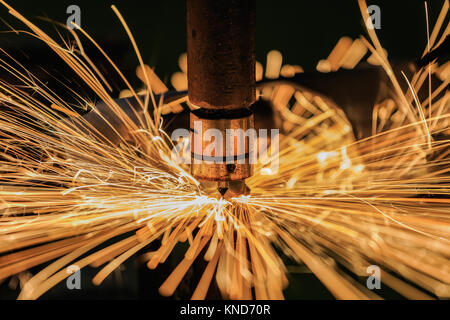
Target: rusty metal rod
221, 53
221, 81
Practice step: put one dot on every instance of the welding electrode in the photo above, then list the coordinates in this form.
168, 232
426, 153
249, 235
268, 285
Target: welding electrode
221, 81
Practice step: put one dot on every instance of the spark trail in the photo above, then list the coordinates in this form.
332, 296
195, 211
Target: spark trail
334, 202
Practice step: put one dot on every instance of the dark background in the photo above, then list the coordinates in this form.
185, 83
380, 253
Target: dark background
304, 31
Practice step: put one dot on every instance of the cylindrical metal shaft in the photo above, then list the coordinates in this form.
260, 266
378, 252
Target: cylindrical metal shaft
221, 81
221, 53
221, 148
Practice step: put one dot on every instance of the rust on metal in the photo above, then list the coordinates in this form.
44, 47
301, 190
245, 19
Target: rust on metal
221, 53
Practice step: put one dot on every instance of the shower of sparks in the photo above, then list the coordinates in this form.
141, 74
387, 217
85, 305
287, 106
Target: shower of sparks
333, 202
